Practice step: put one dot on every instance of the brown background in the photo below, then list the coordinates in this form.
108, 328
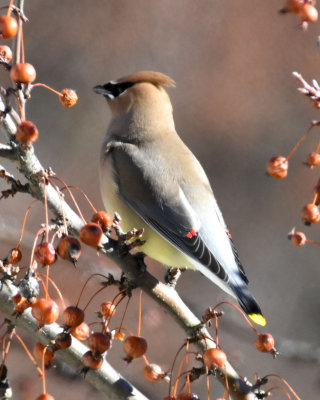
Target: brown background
235, 105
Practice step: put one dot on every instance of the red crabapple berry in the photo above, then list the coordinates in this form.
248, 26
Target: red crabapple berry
8, 27
62, 341
27, 132
45, 396
214, 358
310, 214
5, 54
38, 351
103, 218
313, 159
68, 98
98, 343
81, 332
21, 303
91, 234
297, 238
134, 347
294, 6
72, 316
45, 311
277, 167
92, 362
45, 253
308, 13
15, 256
265, 343
23, 73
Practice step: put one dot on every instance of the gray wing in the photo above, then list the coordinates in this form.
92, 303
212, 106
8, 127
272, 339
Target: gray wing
152, 191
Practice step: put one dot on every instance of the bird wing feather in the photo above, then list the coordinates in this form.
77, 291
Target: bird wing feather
165, 209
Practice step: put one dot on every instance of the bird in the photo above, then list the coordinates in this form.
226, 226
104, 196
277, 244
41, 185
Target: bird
151, 178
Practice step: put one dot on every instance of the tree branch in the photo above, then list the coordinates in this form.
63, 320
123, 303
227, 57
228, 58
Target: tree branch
7, 151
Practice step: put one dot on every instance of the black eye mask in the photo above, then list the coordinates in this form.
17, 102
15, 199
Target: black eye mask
113, 89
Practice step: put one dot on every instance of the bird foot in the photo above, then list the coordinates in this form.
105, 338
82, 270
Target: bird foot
172, 276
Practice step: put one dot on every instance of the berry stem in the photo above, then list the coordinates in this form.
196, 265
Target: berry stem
139, 320
21, 108
179, 375
174, 361
44, 389
61, 204
28, 353
43, 285
124, 314
227, 382
85, 284
46, 209
56, 289
47, 87
318, 147
5, 349
145, 360
286, 383
240, 311
21, 100
10, 8
302, 139
216, 328
93, 296
22, 40
47, 281
224, 394
24, 222
208, 383
315, 198
72, 197
187, 367
268, 393
116, 303
40, 232
84, 195
312, 242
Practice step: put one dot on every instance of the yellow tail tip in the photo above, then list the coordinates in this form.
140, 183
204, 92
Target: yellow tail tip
258, 319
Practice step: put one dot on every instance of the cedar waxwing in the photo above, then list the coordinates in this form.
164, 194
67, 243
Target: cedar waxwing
150, 177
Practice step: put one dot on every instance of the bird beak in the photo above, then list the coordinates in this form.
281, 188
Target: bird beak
101, 89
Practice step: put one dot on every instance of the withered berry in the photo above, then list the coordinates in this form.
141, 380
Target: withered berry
277, 167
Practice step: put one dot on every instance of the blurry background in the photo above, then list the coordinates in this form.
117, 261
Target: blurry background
235, 105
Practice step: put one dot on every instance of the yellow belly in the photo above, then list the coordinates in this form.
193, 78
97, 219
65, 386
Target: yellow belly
155, 247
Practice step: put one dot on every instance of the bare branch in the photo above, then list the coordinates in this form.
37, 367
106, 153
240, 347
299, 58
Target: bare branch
16, 185
7, 152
